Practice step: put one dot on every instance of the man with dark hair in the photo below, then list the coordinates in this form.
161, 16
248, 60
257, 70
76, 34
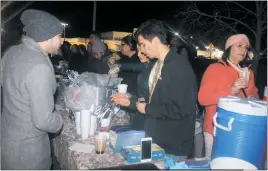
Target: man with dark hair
170, 113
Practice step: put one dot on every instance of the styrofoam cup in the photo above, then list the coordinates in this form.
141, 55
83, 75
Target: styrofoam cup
93, 125
105, 122
85, 123
77, 122
122, 88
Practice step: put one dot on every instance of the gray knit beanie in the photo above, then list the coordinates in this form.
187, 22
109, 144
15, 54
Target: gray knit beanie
40, 25
98, 46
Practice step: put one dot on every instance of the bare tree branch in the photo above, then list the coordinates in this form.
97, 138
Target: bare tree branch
230, 27
264, 28
232, 10
263, 5
264, 50
223, 17
224, 20
241, 6
264, 20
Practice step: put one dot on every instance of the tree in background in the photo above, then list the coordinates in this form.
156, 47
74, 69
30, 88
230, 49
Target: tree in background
230, 17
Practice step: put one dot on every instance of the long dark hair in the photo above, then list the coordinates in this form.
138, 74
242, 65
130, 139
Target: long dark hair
245, 63
130, 41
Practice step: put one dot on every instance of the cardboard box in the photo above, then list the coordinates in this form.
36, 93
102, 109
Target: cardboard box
132, 153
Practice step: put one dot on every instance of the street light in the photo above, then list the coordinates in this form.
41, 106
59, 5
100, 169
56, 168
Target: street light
191, 37
176, 33
64, 25
196, 47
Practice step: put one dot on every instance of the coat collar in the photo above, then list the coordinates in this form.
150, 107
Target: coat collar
33, 45
225, 63
171, 55
222, 62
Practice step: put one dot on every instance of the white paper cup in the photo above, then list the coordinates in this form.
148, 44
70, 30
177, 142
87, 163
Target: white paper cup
244, 73
105, 123
85, 123
122, 88
77, 122
93, 125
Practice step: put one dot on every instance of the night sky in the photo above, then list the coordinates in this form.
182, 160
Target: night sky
111, 15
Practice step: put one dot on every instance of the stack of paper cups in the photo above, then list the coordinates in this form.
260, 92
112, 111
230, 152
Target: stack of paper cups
85, 123
93, 125
265, 98
77, 122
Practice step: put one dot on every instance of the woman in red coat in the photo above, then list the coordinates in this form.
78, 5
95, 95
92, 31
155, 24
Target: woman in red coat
222, 79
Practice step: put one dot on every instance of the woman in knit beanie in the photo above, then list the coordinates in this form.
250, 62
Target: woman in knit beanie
222, 79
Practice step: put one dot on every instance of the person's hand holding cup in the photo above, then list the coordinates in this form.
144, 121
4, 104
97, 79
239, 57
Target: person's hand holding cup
121, 99
237, 85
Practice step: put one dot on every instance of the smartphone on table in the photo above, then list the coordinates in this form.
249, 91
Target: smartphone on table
146, 149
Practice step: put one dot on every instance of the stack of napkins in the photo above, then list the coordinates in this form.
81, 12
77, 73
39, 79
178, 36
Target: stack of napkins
82, 148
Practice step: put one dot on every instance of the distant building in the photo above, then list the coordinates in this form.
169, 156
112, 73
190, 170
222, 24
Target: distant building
114, 35
113, 44
112, 39
76, 40
203, 53
213, 54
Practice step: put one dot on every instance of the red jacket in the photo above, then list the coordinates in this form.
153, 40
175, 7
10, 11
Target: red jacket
217, 82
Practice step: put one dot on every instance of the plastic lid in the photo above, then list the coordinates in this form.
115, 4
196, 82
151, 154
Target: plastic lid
243, 106
105, 122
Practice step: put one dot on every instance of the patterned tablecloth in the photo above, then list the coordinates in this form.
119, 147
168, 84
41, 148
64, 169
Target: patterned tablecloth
71, 160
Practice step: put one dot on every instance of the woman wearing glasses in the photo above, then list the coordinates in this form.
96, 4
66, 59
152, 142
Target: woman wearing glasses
129, 63
130, 100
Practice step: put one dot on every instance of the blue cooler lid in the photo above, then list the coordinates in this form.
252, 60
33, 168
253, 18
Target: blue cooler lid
243, 106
